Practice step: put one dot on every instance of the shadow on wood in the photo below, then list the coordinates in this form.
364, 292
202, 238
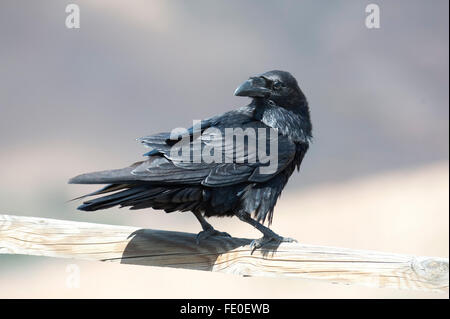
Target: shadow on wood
172, 249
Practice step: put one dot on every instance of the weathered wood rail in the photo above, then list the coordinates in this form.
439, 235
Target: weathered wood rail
130, 245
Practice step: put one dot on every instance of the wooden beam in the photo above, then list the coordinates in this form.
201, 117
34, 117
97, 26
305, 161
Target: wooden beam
130, 245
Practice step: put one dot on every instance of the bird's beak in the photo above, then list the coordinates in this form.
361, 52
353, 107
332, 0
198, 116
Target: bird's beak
253, 87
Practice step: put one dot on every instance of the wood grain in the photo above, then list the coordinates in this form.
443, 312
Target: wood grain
130, 245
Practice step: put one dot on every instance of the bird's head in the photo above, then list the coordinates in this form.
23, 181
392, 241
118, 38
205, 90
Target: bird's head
279, 86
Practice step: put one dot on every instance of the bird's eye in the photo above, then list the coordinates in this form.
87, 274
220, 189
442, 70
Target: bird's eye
277, 85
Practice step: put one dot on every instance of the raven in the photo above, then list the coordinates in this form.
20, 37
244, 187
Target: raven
234, 187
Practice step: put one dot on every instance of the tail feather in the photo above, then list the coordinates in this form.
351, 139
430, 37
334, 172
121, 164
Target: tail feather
138, 196
113, 199
107, 189
114, 176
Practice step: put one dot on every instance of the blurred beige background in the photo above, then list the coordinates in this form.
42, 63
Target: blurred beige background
376, 176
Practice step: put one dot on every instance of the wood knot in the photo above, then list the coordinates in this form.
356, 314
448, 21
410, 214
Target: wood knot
434, 270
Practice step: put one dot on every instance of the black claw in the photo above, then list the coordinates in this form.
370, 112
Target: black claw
205, 234
260, 242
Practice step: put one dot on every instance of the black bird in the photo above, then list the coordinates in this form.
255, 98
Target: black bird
236, 187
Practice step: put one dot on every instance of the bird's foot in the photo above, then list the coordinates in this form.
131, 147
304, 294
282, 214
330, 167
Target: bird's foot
210, 232
260, 242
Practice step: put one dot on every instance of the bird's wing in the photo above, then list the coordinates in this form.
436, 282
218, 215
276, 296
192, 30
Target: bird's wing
238, 162
163, 166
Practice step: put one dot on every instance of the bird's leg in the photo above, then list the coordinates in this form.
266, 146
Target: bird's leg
208, 230
268, 234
